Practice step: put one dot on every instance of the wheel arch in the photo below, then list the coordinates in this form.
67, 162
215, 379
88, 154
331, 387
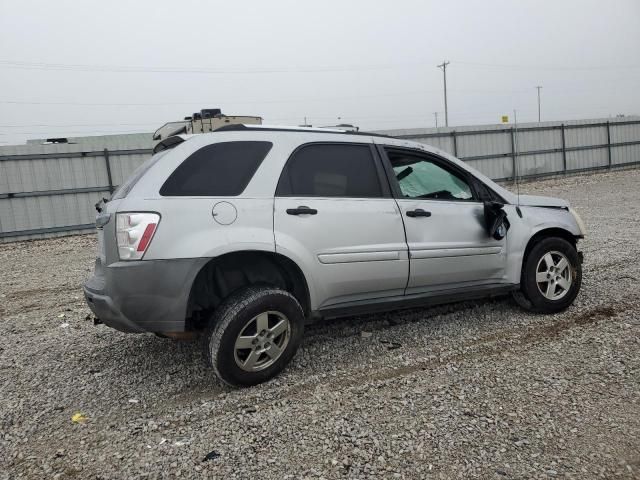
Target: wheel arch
225, 274
548, 233
528, 296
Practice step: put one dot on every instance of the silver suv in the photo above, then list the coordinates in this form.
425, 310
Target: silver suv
245, 233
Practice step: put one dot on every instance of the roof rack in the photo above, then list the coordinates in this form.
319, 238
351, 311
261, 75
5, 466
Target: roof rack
269, 128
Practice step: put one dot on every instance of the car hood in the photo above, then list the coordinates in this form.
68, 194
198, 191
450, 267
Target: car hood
539, 201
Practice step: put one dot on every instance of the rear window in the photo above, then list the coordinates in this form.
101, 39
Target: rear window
217, 170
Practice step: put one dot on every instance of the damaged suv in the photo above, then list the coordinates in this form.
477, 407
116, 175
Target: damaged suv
244, 234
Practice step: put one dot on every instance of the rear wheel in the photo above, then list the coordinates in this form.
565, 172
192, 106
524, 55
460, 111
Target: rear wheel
253, 335
551, 276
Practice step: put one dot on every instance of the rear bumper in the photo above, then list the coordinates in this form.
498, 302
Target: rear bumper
142, 296
103, 308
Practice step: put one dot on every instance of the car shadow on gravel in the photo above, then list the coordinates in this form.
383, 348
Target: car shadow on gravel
169, 366
398, 336
165, 367
174, 369
355, 325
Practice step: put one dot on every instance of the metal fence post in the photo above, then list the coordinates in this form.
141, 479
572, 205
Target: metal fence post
108, 165
564, 150
513, 153
455, 144
609, 143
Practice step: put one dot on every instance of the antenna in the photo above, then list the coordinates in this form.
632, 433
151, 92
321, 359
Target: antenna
515, 155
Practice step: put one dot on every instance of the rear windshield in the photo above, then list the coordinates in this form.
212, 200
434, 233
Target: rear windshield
124, 189
217, 170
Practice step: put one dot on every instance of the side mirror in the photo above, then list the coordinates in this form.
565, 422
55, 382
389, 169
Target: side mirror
495, 220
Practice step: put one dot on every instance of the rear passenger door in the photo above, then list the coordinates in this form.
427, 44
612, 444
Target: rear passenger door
334, 213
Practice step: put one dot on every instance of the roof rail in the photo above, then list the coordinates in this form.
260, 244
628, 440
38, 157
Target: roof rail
274, 128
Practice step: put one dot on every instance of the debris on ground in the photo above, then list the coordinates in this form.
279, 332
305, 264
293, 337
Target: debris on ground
78, 417
212, 455
391, 345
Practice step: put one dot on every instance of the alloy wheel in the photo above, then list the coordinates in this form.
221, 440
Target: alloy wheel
262, 341
554, 275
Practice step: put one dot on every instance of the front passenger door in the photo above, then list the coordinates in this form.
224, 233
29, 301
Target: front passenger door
449, 247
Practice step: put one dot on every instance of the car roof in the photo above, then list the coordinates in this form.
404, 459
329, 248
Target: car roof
285, 128
174, 140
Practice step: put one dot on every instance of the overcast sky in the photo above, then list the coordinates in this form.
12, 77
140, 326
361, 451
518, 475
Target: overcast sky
93, 67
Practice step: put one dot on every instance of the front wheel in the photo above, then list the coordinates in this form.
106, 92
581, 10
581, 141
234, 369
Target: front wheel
551, 276
253, 335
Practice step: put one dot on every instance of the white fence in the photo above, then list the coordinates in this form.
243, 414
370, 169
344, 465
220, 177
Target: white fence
51, 190
538, 149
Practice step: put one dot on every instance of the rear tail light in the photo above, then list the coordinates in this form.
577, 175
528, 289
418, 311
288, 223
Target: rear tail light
134, 232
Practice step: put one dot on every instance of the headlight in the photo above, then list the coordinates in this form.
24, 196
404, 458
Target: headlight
581, 225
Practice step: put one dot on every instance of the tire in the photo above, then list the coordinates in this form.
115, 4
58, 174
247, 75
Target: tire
240, 353
546, 284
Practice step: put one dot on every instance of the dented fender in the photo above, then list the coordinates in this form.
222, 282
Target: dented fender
534, 220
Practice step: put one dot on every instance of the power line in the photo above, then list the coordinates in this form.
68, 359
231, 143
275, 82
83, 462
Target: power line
192, 70
296, 100
198, 103
249, 102
549, 67
201, 102
13, 64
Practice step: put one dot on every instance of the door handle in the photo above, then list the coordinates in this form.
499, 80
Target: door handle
302, 210
418, 212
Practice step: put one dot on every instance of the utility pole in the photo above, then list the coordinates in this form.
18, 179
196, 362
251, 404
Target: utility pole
538, 88
515, 152
443, 67
436, 115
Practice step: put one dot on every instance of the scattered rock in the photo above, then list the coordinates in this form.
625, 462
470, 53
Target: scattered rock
212, 455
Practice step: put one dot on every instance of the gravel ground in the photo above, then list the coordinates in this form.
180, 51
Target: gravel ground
478, 389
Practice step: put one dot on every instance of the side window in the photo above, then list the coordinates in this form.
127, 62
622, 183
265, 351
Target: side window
220, 169
330, 170
419, 177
